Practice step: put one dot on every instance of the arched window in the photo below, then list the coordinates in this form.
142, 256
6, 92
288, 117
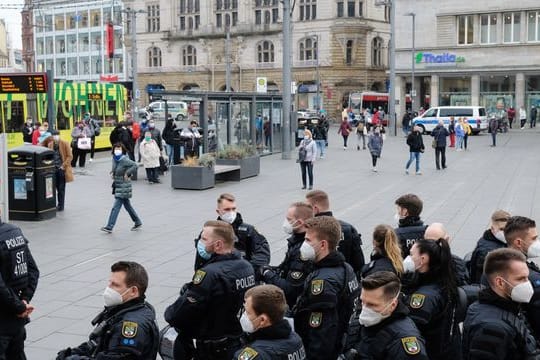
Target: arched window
376, 52
308, 49
349, 52
189, 56
154, 57
265, 52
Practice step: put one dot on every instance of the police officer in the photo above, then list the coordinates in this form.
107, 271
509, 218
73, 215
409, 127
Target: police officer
270, 336
351, 241
291, 273
248, 241
323, 310
208, 306
386, 330
18, 281
126, 328
410, 225
494, 327
492, 239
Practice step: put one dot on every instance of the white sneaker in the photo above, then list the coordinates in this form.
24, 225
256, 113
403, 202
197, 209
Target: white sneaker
374, 169
91, 160
406, 172
418, 173
344, 148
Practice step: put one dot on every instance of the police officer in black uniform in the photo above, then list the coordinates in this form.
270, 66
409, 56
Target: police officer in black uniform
410, 227
350, 244
269, 335
208, 306
18, 281
252, 245
386, 330
127, 328
323, 310
495, 327
291, 273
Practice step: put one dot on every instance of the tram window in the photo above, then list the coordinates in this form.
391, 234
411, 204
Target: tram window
62, 115
13, 116
111, 109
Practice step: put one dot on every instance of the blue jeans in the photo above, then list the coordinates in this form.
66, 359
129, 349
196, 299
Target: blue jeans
413, 156
321, 144
169, 150
118, 202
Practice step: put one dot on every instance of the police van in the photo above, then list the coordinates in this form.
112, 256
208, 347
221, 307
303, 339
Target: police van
178, 109
475, 116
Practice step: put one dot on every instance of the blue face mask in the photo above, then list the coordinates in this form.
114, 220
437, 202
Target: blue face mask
202, 251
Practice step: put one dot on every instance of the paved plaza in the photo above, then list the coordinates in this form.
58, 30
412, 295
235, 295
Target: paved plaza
74, 256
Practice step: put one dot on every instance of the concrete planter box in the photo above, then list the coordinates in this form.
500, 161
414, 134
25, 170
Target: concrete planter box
192, 178
250, 166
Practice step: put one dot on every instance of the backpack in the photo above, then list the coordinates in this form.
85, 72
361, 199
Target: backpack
95, 125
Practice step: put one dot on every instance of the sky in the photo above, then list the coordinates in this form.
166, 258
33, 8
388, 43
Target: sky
10, 11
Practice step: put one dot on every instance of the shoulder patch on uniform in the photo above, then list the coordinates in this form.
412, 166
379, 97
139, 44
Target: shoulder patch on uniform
315, 319
199, 276
411, 346
317, 286
296, 275
129, 329
417, 300
247, 354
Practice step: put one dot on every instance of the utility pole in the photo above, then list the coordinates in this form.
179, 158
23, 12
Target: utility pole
228, 60
135, 93
319, 100
287, 76
413, 90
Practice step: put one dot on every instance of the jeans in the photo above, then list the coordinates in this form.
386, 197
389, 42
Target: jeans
321, 144
60, 188
533, 122
374, 158
406, 129
12, 346
494, 138
169, 150
360, 135
459, 143
307, 165
465, 138
345, 137
118, 202
413, 156
152, 174
440, 152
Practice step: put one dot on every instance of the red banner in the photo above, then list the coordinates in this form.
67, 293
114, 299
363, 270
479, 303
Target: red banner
110, 40
108, 78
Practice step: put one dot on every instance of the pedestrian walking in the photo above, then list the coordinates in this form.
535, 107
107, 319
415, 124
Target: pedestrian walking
267, 130
168, 137
416, 147
452, 131
361, 132
95, 130
150, 154
122, 170
511, 112
532, 116
345, 129
375, 145
81, 143
493, 129
522, 117
62, 163
319, 136
307, 152
439, 143
459, 130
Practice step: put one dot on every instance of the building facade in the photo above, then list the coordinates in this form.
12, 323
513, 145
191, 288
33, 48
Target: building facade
4, 50
339, 46
469, 53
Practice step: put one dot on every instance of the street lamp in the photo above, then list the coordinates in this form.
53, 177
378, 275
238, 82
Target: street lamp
392, 60
135, 91
413, 91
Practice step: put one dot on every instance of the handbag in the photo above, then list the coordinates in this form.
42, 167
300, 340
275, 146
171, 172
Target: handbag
434, 143
84, 143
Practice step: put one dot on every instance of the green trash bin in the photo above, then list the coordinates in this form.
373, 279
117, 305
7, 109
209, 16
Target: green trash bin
31, 177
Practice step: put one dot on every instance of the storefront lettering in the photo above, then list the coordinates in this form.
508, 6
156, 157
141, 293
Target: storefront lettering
429, 58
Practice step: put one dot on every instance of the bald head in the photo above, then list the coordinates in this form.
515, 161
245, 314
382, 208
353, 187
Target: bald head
436, 231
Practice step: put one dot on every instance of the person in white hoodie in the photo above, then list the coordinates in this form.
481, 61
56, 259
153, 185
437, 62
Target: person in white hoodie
307, 152
150, 153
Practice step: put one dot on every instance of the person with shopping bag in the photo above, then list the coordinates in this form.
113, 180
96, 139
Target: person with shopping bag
81, 143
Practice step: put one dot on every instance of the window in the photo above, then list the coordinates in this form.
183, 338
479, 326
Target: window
265, 52
154, 57
348, 8
512, 27
361, 8
190, 17
308, 49
488, 29
152, 18
376, 52
308, 10
533, 26
387, 13
465, 29
226, 13
189, 56
266, 12
349, 52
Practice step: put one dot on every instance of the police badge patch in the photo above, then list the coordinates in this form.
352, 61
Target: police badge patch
198, 277
296, 275
411, 346
247, 354
129, 329
317, 286
417, 300
315, 319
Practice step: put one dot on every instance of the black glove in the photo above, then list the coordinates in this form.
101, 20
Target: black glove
62, 354
266, 271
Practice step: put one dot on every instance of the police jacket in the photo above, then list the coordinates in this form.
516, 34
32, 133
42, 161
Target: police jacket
532, 309
350, 245
396, 338
276, 342
379, 262
461, 271
323, 310
408, 231
495, 328
487, 243
126, 331
208, 306
18, 277
432, 310
291, 273
252, 245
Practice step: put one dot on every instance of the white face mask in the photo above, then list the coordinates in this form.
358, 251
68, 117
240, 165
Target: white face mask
228, 217
397, 217
117, 152
288, 228
369, 317
112, 297
408, 264
521, 293
534, 250
247, 325
307, 252
499, 235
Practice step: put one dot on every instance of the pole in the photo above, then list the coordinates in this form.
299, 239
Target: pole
228, 61
286, 135
135, 85
413, 90
392, 101
51, 118
318, 76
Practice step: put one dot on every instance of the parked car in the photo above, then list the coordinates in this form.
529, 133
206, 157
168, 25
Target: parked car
178, 110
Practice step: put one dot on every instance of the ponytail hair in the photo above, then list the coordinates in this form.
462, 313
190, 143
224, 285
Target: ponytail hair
441, 264
387, 243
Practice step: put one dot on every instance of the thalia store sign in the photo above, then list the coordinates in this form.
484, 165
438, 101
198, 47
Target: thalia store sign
447, 59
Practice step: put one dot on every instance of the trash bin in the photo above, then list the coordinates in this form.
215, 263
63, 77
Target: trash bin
31, 177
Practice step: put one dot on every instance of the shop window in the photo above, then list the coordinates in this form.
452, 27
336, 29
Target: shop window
265, 52
308, 10
465, 29
512, 27
488, 29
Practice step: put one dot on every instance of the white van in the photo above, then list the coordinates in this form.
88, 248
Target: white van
178, 109
475, 116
